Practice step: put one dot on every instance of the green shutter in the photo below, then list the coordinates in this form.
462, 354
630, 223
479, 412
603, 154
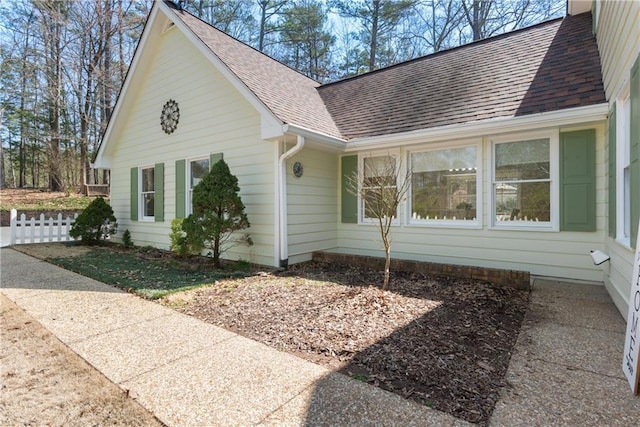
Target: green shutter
181, 188
349, 200
578, 180
214, 158
158, 192
634, 146
612, 172
134, 194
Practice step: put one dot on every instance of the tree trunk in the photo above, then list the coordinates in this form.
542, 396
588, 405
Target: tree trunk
263, 23
216, 252
387, 265
374, 35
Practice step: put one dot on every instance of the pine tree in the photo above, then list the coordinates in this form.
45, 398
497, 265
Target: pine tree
218, 211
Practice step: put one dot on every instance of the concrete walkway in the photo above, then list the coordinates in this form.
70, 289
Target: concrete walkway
565, 369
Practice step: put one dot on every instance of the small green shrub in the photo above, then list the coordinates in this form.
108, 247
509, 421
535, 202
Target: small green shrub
126, 239
182, 243
95, 224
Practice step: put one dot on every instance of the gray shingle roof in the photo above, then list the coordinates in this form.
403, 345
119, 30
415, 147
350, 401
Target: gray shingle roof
547, 67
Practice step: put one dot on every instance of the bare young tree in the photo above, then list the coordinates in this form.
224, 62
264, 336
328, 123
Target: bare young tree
381, 183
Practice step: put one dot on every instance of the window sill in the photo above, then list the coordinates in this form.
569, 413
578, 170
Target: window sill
625, 243
471, 225
147, 219
548, 228
374, 222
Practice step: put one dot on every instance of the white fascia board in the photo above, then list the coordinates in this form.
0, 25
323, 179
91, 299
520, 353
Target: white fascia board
102, 161
325, 140
571, 116
576, 7
269, 120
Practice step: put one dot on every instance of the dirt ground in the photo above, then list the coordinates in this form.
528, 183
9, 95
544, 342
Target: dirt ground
445, 343
19, 196
44, 383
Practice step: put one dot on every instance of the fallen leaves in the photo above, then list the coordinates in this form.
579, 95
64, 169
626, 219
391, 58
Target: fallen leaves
443, 342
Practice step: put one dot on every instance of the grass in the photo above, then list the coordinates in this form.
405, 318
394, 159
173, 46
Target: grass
151, 279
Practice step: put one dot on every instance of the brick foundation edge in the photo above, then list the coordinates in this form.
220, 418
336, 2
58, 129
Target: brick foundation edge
510, 278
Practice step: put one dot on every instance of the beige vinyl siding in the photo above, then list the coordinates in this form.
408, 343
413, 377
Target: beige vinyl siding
545, 253
312, 204
618, 36
214, 118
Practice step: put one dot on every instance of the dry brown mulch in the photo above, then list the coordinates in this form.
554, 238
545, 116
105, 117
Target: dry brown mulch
442, 342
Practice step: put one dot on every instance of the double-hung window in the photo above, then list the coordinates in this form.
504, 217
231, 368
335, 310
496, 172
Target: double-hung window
524, 176
198, 169
379, 187
623, 175
444, 186
147, 193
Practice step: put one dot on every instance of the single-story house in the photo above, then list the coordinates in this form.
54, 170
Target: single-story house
523, 148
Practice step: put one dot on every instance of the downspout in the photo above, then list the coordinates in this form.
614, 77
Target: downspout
282, 197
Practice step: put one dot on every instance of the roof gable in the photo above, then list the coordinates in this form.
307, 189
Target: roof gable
288, 94
551, 66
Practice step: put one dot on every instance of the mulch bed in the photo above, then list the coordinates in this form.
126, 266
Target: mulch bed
442, 342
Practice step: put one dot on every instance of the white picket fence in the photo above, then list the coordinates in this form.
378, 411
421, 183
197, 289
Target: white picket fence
40, 230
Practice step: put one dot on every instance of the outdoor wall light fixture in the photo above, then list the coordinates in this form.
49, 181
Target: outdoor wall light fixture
599, 257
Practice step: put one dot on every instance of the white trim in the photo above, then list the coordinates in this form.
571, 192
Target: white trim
576, 7
327, 140
189, 190
100, 162
360, 168
502, 125
277, 150
141, 193
623, 147
282, 198
472, 224
554, 174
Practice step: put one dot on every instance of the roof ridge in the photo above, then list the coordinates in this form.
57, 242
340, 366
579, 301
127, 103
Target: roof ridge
446, 51
172, 5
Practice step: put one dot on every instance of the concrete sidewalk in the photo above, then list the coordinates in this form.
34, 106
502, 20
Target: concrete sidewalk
565, 369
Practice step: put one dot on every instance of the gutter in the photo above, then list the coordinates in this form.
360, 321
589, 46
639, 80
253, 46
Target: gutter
567, 117
325, 139
282, 241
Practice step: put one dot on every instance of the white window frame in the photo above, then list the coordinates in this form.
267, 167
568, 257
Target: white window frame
554, 175
142, 193
189, 189
623, 163
449, 223
361, 156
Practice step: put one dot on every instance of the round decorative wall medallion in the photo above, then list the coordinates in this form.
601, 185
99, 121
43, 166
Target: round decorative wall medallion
298, 170
170, 116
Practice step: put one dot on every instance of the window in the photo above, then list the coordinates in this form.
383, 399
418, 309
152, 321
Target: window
147, 192
378, 187
623, 170
198, 169
444, 186
523, 182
